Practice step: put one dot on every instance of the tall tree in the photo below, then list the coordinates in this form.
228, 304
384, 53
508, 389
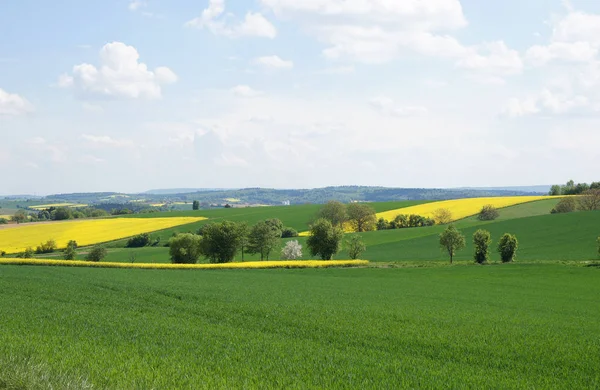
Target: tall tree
590, 200
362, 217
263, 238
507, 246
335, 212
220, 241
325, 240
195, 205
355, 246
185, 248
452, 241
482, 240
244, 231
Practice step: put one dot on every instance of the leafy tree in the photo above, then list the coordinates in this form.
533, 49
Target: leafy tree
95, 213
452, 241
221, 241
289, 232
243, 231
442, 216
70, 253
195, 205
291, 251
565, 205
44, 215
355, 246
555, 190
488, 213
590, 200
62, 213
46, 247
382, 224
96, 254
276, 225
325, 239
482, 241
28, 254
3, 221
401, 221
139, 241
362, 217
185, 248
19, 217
507, 246
335, 212
263, 238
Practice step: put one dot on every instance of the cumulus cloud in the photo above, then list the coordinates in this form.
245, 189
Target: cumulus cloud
388, 106
550, 103
134, 5
119, 75
106, 141
273, 62
12, 104
254, 24
245, 91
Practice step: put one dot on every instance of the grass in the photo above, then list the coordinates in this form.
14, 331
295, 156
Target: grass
509, 326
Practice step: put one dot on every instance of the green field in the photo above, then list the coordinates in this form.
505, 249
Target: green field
507, 326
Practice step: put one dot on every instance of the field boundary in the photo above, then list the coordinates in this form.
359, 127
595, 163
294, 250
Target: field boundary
239, 265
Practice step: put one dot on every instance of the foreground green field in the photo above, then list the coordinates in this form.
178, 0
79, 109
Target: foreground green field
509, 326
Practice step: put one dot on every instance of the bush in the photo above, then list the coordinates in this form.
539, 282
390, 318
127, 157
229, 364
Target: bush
565, 205
96, 254
291, 251
139, 241
185, 248
69, 253
507, 246
28, 254
46, 247
488, 213
3, 221
382, 224
62, 213
2, 253
482, 241
289, 233
401, 221
355, 247
442, 216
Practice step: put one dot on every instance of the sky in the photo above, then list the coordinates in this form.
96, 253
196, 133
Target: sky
129, 95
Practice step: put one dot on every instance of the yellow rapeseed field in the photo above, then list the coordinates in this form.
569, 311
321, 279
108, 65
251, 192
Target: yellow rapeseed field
47, 206
248, 265
85, 232
460, 208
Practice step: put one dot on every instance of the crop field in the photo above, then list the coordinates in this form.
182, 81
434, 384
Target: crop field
460, 208
46, 206
85, 232
508, 326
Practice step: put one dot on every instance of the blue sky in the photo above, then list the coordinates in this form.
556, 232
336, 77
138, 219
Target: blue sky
127, 95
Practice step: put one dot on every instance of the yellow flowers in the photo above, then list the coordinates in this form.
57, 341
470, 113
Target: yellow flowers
459, 208
248, 265
47, 206
85, 232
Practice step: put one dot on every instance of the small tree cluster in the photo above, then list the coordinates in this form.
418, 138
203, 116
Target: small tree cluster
195, 205
139, 241
96, 254
573, 189
46, 247
488, 213
403, 221
452, 241
589, 200
360, 217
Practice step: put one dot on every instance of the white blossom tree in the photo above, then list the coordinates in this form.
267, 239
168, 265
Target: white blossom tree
291, 251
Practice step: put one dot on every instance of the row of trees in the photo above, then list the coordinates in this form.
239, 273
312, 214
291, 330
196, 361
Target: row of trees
588, 201
452, 241
573, 189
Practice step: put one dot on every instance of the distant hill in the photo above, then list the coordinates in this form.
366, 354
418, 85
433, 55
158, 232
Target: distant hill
174, 191
542, 189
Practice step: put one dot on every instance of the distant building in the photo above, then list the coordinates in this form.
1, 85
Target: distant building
286, 202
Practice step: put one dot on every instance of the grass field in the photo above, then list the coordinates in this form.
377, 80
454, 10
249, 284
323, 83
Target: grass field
509, 326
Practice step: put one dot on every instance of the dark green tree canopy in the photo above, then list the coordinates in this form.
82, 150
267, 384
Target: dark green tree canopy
335, 212
325, 239
221, 241
452, 240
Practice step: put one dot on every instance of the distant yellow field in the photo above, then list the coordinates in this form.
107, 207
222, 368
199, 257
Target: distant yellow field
6, 216
232, 200
47, 206
460, 208
85, 232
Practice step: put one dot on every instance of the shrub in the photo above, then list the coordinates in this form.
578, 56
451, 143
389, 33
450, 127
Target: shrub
590, 200
507, 246
565, 205
291, 251
62, 213
382, 224
96, 254
3, 221
28, 254
2, 253
46, 247
442, 216
289, 233
488, 213
69, 253
482, 241
355, 247
185, 248
139, 241
401, 221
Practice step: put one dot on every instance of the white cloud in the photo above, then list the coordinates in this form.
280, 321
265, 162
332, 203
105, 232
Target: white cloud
134, 5
273, 62
92, 108
583, 52
254, 23
497, 60
387, 106
337, 70
120, 74
550, 103
13, 104
106, 141
245, 91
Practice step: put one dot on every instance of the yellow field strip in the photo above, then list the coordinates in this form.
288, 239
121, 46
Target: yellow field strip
47, 206
86, 232
460, 208
247, 265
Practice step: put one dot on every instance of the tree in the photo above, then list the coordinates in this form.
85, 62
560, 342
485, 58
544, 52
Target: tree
401, 221
19, 217
195, 205
276, 225
356, 246
325, 239
243, 231
362, 217
28, 254
335, 212
452, 241
555, 190
442, 216
70, 253
565, 205
291, 251
185, 248
96, 254
139, 241
46, 247
507, 246
488, 213
263, 238
482, 241
289, 232
221, 241
382, 224
590, 200
62, 213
